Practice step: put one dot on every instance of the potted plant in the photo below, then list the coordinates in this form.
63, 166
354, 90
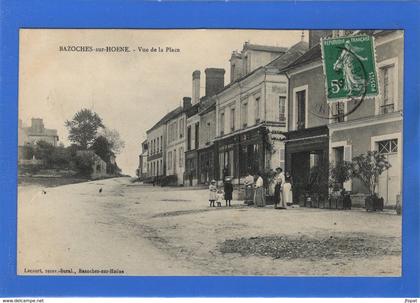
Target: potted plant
339, 173
368, 167
317, 186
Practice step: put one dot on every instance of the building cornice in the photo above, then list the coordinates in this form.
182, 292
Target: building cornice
366, 121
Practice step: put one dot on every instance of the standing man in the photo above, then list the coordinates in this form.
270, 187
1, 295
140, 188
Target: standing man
277, 187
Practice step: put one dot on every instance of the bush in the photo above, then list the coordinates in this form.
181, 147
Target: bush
43, 151
60, 157
368, 167
84, 162
340, 172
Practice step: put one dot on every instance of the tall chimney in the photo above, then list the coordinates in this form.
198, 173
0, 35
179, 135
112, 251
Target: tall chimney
316, 35
195, 86
186, 103
215, 80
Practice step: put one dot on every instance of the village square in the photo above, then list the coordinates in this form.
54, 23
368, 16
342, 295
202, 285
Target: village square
292, 166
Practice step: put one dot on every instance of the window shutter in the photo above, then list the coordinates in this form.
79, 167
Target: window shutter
347, 153
281, 154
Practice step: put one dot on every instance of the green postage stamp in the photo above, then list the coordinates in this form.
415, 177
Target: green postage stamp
349, 67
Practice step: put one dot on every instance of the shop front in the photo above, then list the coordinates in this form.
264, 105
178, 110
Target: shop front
307, 162
206, 167
191, 168
240, 154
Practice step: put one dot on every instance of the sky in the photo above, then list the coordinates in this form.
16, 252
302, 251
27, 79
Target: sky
130, 91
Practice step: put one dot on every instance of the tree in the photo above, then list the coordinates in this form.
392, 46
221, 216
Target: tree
60, 157
113, 137
102, 148
84, 127
43, 151
84, 162
368, 167
340, 172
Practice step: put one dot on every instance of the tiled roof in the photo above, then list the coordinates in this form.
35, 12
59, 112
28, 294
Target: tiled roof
292, 54
266, 48
166, 118
314, 53
311, 55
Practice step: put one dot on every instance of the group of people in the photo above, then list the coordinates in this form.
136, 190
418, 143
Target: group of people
280, 187
217, 195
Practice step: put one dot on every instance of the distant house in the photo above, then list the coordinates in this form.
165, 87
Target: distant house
142, 169
98, 166
28, 136
36, 132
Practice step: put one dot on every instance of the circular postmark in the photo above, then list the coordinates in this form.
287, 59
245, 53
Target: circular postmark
352, 77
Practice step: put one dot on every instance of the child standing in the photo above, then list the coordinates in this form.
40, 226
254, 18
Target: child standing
220, 196
228, 188
213, 192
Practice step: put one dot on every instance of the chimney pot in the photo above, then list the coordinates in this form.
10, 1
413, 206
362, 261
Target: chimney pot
215, 80
186, 103
195, 86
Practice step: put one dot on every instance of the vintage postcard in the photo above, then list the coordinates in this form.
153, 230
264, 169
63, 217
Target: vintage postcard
210, 152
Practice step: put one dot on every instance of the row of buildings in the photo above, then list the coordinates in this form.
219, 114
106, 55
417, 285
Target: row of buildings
274, 113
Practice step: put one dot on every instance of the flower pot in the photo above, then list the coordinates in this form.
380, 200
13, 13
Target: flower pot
347, 201
333, 202
373, 203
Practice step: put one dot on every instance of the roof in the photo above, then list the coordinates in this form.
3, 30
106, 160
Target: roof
46, 132
292, 54
265, 48
90, 153
207, 106
282, 60
191, 111
166, 118
311, 55
314, 53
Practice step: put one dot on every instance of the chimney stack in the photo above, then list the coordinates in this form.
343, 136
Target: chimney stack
316, 35
37, 125
195, 86
215, 80
186, 103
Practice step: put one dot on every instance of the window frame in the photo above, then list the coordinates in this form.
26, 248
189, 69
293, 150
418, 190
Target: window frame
295, 116
396, 92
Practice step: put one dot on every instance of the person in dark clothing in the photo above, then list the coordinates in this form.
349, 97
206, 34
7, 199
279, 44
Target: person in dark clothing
228, 189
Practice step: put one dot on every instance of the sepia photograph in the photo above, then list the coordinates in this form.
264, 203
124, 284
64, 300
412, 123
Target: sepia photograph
210, 152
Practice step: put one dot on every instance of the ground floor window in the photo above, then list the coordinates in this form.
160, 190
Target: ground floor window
388, 146
250, 159
226, 166
389, 181
170, 160
309, 171
206, 167
338, 154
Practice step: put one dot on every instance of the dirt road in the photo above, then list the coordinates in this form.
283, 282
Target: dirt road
135, 229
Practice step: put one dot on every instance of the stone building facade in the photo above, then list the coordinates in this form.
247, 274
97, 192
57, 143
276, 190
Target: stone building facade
251, 112
36, 132
142, 169
206, 153
156, 143
377, 123
33, 134
214, 83
320, 134
176, 142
